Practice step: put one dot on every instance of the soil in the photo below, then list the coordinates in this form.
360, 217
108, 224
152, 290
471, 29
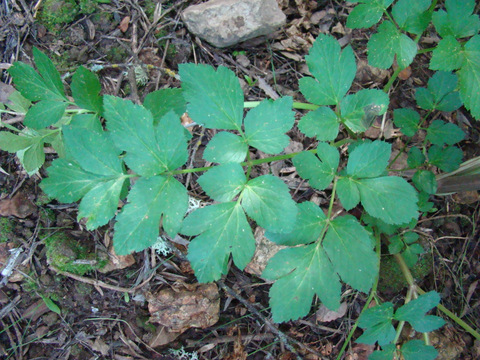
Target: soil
49, 312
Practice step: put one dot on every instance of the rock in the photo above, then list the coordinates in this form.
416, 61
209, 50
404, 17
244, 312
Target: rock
223, 23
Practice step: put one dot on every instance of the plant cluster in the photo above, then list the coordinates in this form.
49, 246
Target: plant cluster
110, 149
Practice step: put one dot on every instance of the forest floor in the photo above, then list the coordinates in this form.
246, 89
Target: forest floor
49, 314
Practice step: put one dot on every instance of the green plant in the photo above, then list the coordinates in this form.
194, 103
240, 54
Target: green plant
324, 248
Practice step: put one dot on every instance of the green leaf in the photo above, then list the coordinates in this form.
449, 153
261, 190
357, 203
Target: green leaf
417, 350
367, 14
138, 224
469, 77
31, 85
45, 113
67, 181
412, 15
307, 229
407, 120
415, 312
222, 183
301, 272
223, 230
415, 158
388, 42
360, 109
411, 253
93, 151
214, 98
447, 159
16, 102
100, 203
266, 199
441, 133
333, 69
322, 123
448, 55
49, 73
162, 101
86, 90
318, 170
348, 193
396, 245
226, 147
369, 159
441, 93
377, 325
424, 180
13, 143
171, 141
387, 353
131, 129
51, 305
33, 157
458, 20
87, 121
390, 198
266, 125
349, 247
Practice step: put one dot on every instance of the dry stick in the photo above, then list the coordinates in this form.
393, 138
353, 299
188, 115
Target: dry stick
133, 85
101, 283
285, 339
230, 339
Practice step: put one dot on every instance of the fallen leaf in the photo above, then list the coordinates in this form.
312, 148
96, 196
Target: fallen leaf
326, 315
238, 350
100, 346
116, 262
162, 337
179, 310
360, 352
264, 251
34, 311
124, 24
405, 73
19, 205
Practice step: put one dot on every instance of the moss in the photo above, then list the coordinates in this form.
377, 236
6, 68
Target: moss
391, 277
56, 13
117, 54
6, 226
149, 8
66, 254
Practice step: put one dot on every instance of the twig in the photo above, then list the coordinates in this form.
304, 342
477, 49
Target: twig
285, 339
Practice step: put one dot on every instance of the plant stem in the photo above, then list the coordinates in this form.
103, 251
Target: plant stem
296, 105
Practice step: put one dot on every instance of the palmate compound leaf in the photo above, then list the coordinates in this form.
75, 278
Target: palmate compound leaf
137, 226
318, 170
222, 229
408, 120
377, 324
266, 125
222, 183
447, 159
359, 110
440, 94
149, 150
162, 101
388, 42
441, 133
49, 73
44, 113
215, 98
458, 20
369, 159
412, 15
415, 313
333, 70
417, 350
93, 171
226, 147
367, 13
448, 55
301, 272
266, 199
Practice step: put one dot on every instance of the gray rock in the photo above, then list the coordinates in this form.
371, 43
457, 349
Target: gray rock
224, 23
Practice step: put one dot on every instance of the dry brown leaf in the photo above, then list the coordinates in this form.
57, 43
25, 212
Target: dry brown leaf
360, 352
179, 310
238, 350
19, 205
34, 311
162, 337
124, 24
100, 346
116, 262
405, 73
264, 251
326, 315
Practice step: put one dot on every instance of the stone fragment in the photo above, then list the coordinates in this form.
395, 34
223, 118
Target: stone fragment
223, 23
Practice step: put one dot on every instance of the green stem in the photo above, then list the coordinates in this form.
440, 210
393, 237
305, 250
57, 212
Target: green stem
296, 105
373, 293
9, 127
